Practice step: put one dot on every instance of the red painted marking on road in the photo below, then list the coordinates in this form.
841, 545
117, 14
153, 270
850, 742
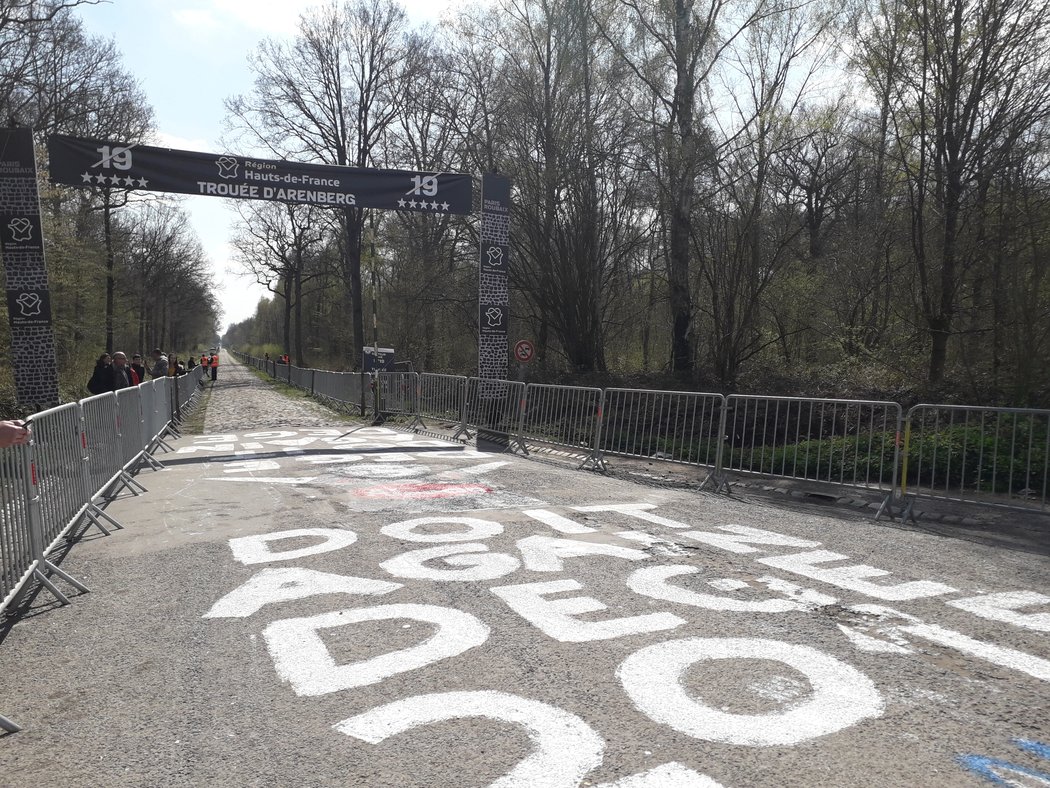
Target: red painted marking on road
418, 491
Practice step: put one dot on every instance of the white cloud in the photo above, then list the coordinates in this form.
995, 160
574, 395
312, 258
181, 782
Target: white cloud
197, 20
165, 140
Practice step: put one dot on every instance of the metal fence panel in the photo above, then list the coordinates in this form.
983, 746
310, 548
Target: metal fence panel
562, 416
672, 426
442, 398
101, 442
58, 453
496, 407
18, 552
993, 456
343, 388
129, 424
301, 377
843, 442
398, 393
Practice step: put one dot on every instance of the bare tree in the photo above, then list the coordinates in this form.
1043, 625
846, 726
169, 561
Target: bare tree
330, 95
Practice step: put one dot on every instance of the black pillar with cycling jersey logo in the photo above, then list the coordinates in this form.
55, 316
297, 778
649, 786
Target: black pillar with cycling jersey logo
28, 295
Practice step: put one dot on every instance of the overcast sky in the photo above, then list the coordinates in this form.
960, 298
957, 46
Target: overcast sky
189, 55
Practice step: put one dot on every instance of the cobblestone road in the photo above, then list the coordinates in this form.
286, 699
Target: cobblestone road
240, 401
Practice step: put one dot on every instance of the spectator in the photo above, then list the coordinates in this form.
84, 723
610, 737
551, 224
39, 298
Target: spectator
160, 364
173, 364
102, 376
214, 363
204, 361
123, 375
14, 433
138, 367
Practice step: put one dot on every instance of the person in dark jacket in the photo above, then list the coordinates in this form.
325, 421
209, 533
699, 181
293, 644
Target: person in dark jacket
123, 375
102, 376
138, 366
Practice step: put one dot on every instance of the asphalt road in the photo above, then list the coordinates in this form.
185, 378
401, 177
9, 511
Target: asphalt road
360, 606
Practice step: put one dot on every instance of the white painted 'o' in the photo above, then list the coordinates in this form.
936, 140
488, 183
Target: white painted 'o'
842, 695
302, 659
476, 529
566, 747
256, 549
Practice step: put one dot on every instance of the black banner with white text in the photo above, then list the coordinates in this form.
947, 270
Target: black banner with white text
116, 165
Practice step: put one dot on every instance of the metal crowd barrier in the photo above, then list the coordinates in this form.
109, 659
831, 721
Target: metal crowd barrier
993, 456
345, 389
397, 394
19, 552
301, 378
672, 426
79, 453
443, 398
567, 416
850, 443
494, 408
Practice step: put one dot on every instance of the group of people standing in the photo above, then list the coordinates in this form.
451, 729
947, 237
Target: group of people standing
113, 372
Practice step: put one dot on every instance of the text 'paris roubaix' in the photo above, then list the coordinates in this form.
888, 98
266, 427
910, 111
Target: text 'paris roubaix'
108, 164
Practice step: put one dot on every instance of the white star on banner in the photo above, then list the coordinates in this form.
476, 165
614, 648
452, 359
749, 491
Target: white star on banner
86, 177
434, 205
143, 183
100, 178
411, 203
445, 206
401, 203
129, 182
115, 180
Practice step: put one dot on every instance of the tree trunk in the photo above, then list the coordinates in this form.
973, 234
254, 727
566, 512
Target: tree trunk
300, 357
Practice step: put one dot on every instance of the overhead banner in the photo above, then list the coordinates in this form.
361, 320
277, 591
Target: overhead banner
22, 250
76, 161
493, 292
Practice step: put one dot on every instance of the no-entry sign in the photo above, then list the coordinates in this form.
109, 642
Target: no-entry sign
524, 351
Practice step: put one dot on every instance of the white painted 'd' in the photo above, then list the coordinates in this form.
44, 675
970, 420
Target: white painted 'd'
256, 549
565, 747
302, 659
841, 695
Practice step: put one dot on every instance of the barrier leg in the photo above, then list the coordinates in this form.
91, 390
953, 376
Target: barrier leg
94, 512
45, 581
9, 725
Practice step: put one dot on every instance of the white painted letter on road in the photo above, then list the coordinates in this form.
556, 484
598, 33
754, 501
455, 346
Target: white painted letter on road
566, 747
478, 563
286, 584
557, 618
842, 696
476, 529
256, 549
302, 659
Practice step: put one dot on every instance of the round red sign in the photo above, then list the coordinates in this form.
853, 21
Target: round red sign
523, 351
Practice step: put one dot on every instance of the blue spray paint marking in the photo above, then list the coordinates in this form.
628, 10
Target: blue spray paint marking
992, 769
1034, 747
